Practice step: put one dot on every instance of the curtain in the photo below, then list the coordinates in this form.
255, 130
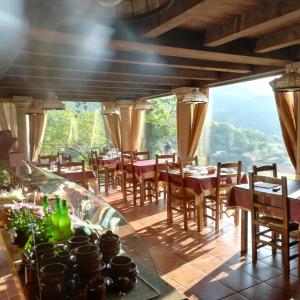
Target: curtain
286, 103
8, 118
190, 121
112, 123
37, 125
136, 128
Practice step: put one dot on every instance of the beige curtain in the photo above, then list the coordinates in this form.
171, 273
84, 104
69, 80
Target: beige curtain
136, 128
8, 118
286, 103
37, 125
190, 121
113, 126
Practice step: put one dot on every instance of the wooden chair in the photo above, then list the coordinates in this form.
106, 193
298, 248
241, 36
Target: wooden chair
270, 209
189, 161
161, 186
179, 199
130, 185
68, 165
65, 159
265, 168
105, 175
142, 155
216, 201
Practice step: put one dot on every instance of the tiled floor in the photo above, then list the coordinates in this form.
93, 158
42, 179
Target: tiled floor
207, 265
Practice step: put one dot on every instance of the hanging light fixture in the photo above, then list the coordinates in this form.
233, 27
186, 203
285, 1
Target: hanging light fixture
109, 2
143, 105
288, 82
110, 110
195, 96
53, 103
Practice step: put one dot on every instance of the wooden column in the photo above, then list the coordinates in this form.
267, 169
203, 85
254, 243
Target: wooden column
125, 123
22, 104
296, 99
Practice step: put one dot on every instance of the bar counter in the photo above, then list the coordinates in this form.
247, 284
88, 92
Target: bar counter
86, 208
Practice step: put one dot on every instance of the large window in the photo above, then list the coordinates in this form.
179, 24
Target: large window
242, 124
74, 130
160, 126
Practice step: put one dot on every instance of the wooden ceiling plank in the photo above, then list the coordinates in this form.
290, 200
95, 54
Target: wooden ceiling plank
278, 40
134, 58
52, 82
83, 76
142, 47
83, 65
266, 17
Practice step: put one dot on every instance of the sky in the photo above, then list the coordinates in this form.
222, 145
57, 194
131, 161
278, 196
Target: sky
259, 87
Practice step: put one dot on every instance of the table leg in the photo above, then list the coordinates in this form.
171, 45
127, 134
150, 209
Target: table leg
244, 231
106, 180
142, 191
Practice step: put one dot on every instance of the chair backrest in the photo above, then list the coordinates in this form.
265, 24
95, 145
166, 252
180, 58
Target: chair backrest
142, 155
160, 162
47, 159
228, 175
269, 197
189, 161
79, 165
265, 168
127, 161
175, 177
65, 158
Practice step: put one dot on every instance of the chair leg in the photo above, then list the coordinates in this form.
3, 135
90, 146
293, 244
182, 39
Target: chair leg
185, 215
286, 254
124, 189
274, 237
156, 193
204, 213
217, 216
169, 211
254, 246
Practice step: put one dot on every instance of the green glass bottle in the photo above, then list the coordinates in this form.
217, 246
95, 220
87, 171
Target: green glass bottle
55, 219
45, 204
47, 216
65, 222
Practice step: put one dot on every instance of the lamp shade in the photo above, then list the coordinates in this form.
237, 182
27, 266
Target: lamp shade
143, 105
287, 82
111, 110
109, 2
193, 97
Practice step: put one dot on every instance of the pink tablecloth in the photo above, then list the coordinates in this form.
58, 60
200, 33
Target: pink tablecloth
200, 183
240, 197
76, 176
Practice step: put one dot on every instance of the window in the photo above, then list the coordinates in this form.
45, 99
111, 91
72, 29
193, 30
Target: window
242, 124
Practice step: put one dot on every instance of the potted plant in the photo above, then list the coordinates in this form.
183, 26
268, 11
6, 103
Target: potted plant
25, 221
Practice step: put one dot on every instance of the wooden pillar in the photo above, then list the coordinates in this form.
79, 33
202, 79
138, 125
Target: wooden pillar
125, 123
22, 104
296, 99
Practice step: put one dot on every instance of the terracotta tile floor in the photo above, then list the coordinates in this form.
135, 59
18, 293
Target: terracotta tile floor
207, 265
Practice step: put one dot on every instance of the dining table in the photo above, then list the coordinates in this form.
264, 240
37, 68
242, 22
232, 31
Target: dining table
240, 197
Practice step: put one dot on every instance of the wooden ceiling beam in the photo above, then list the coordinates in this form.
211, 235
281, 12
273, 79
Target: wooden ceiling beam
260, 72
86, 65
267, 17
63, 87
175, 16
34, 80
278, 40
74, 90
67, 51
151, 48
43, 73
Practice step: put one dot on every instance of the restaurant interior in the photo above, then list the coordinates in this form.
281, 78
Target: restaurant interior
108, 188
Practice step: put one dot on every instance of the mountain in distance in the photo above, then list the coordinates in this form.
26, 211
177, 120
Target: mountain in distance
244, 109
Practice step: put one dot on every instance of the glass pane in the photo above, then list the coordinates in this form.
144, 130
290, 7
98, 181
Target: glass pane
242, 124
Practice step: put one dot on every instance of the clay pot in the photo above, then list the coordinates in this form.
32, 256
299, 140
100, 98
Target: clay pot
121, 264
53, 281
87, 254
97, 289
47, 258
78, 240
87, 275
110, 245
43, 248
